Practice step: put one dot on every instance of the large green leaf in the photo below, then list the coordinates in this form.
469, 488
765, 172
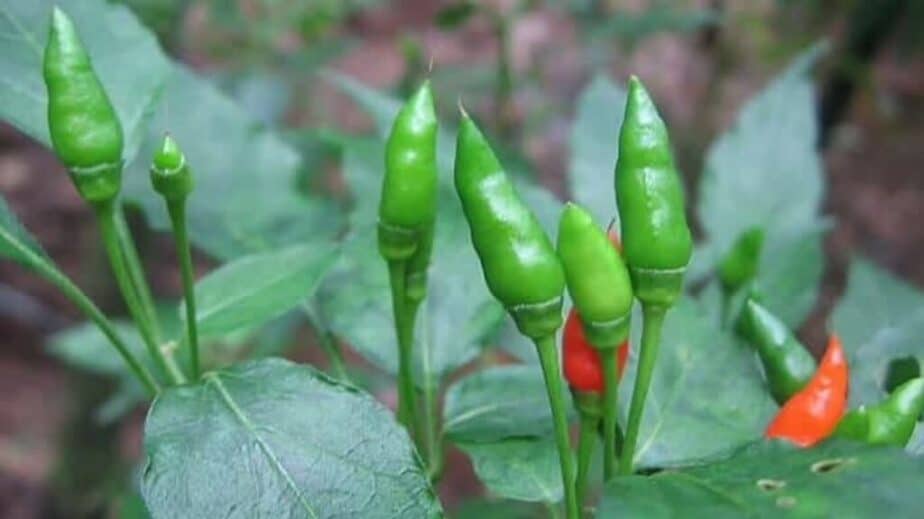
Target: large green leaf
595, 147
765, 171
774, 479
880, 319
707, 395
245, 198
524, 469
86, 348
254, 289
273, 439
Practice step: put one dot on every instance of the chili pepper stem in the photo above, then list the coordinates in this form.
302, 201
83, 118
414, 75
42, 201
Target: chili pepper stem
106, 216
404, 329
177, 210
327, 341
430, 426
548, 358
652, 322
135, 270
610, 409
586, 445
82, 302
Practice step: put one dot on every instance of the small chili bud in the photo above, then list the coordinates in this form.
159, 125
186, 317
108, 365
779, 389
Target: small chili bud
170, 174
85, 130
649, 196
740, 264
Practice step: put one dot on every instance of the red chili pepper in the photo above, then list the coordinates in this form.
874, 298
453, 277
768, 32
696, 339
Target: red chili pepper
812, 414
582, 366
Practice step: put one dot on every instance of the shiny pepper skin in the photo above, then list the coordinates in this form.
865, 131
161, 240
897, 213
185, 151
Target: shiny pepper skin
813, 413
520, 266
597, 278
788, 365
407, 210
85, 130
581, 361
170, 174
891, 422
649, 196
740, 264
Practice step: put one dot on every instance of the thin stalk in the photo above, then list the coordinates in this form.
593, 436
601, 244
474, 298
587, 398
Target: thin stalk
404, 329
433, 454
653, 319
586, 445
177, 211
328, 343
106, 216
548, 358
67, 287
610, 408
136, 271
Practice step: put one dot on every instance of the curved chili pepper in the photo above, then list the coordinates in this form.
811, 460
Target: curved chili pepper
813, 413
597, 278
84, 128
891, 422
519, 264
788, 365
649, 195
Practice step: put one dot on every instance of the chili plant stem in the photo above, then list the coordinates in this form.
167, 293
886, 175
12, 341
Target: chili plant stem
610, 409
589, 425
434, 442
653, 319
404, 329
136, 271
548, 357
327, 341
106, 216
48, 271
177, 210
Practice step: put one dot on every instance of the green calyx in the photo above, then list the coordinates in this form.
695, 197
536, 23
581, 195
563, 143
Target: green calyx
788, 365
407, 210
740, 264
170, 174
84, 128
597, 278
588, 403
655, 236
520, 266
891, 422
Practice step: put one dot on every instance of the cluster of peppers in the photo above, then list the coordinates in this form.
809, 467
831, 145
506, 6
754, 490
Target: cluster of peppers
87, 136
813, 398
528, 275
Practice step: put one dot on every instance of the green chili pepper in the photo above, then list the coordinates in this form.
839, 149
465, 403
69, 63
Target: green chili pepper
788, 365
891, 422
597, 278
656, 238
739, 266
407, 210
85, 130
519, 263
170, 174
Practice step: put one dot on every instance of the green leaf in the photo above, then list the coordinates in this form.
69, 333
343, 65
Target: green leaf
84, 347
271, 439
879, 319
496, 403
707, 395
16, 244
774, 479
524, 469
595, 147
496, 509
253, 290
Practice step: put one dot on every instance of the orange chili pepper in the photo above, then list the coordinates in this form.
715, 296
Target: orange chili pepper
812, 414
582, 366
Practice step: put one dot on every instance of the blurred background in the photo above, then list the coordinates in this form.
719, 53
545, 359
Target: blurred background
519, 65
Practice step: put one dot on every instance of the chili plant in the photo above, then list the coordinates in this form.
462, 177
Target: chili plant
681, 357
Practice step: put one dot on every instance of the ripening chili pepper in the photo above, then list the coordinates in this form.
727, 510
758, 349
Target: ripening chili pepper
891, 422
407, 209
581, 361
740, 264
788, 365
519, 263
649, 194
596, 276
813, 413
85, 130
